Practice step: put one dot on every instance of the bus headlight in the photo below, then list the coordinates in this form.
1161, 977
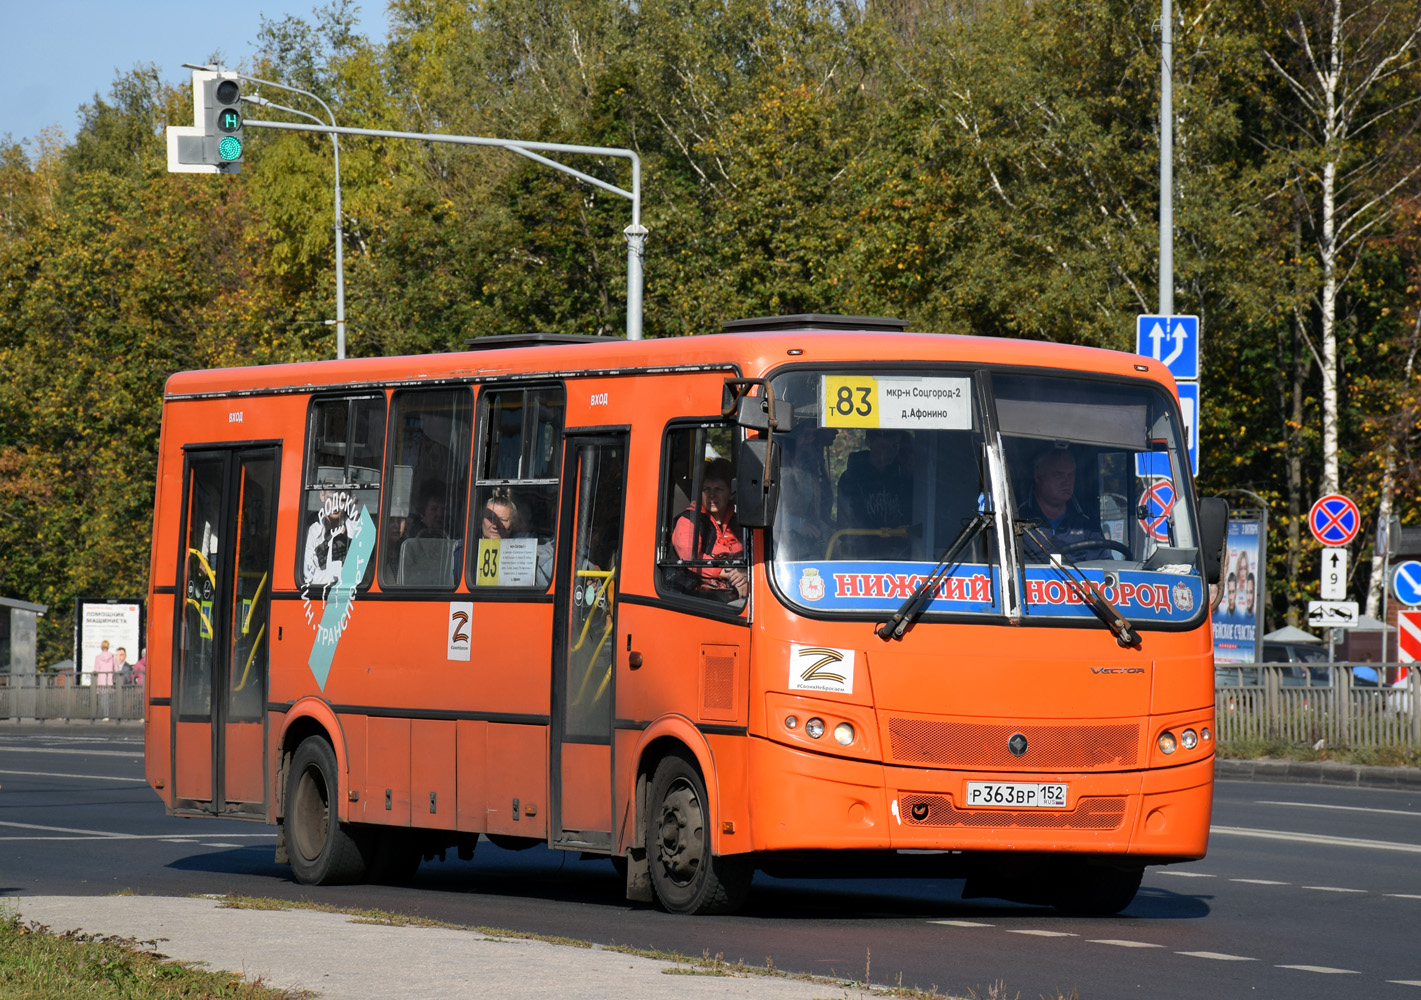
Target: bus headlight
1167, 743
814, 727
791, 722
844, 733
1189, 739
1207, 735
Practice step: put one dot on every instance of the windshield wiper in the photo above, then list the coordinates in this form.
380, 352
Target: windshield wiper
1091, 595
914, 606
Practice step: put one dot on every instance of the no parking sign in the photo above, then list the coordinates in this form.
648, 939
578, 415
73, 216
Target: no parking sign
1334, 520
1157, 502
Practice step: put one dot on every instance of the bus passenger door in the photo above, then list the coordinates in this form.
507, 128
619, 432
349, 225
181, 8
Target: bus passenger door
219, 693
585, 641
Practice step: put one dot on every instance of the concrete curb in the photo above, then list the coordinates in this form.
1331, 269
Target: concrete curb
341, 957
1318, 773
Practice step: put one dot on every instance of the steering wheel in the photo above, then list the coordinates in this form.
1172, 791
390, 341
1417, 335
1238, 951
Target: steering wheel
1095, 543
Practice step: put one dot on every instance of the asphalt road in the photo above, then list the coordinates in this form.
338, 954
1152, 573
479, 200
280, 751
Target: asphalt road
1308, 891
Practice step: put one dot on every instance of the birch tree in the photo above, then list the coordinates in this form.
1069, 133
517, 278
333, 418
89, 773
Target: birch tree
1352, 68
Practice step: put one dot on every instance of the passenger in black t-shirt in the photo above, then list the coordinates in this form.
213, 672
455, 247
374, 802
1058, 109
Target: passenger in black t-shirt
876, 492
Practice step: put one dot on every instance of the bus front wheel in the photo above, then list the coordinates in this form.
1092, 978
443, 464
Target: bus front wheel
1099, 890
322, 849
686, 876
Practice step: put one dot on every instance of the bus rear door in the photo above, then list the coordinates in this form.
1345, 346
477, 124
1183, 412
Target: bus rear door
220, 631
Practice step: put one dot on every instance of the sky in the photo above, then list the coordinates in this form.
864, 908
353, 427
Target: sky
57, 54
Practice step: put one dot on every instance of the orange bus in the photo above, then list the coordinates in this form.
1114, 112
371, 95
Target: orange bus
809, 595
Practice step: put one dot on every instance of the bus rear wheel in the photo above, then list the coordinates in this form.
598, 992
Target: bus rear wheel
686, 876
322, 850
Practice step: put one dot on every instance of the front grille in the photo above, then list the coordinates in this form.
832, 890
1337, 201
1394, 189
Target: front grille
929, 809
1076, 747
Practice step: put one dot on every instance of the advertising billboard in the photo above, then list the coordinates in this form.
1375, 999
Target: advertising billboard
1238, 616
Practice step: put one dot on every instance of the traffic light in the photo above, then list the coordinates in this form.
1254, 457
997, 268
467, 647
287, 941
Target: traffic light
213, 143
225, 118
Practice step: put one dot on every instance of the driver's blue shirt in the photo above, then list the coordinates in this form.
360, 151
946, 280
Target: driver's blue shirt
1073, 525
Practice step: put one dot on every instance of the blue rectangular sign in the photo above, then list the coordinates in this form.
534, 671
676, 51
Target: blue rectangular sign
1156, 463
1173, 340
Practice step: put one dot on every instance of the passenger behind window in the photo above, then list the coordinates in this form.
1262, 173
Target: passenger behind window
504, 518
429, 519
428, 556
711, 532
875, 497
804, 521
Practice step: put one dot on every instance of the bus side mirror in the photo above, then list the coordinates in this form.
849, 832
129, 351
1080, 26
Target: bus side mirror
1213, 535
755, 413
757, 483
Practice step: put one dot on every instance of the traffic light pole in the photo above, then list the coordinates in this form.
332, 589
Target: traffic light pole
262, 102
635, 233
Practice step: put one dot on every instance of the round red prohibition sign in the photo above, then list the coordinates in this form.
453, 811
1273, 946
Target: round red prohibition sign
1157, 502
1334, 520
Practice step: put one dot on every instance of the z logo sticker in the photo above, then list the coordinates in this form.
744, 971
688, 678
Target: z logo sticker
821, 668
460, 613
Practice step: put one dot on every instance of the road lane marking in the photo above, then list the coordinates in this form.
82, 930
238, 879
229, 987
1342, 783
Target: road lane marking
1217, 956
960, 923
81, 753
78, 777
1184, 874
107, 834
1259, 881
1405, 982
1320, 968
1045, 933
1326, 805
67, 829
1330, 888
1125, 944
1401, 895
1316, 838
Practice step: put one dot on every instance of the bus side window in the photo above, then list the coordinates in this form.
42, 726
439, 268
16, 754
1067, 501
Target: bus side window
345, 444
430, 434
513, 519
702, 549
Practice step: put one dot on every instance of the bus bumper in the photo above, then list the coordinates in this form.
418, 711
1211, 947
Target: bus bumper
814, 802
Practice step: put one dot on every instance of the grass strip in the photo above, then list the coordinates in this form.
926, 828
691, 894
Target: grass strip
39, 964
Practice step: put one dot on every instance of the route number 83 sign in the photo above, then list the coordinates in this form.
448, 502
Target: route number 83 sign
908, 403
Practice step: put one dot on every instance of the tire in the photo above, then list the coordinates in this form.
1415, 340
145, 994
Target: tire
686, 877
1085, 890
322, 850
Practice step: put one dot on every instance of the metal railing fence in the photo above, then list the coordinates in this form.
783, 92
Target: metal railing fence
57, 697
1342, 705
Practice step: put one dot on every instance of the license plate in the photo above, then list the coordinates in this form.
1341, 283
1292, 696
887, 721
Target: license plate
1016, 794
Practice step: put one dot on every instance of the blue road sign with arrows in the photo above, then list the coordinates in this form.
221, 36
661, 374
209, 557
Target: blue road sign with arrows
1173, 340
1406, 582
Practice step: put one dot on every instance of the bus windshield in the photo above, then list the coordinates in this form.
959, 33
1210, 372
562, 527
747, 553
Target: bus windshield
1073, 481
